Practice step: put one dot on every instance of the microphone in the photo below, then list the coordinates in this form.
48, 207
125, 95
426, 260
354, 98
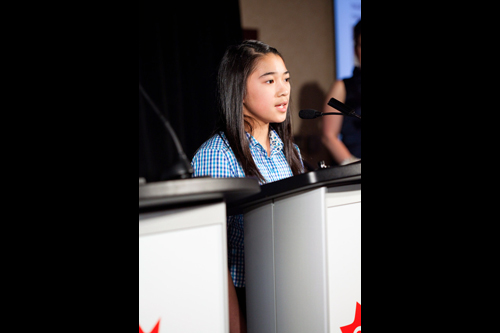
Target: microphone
182, 168
343, 108
309, 114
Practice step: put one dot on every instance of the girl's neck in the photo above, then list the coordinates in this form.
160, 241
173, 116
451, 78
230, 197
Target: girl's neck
261, 134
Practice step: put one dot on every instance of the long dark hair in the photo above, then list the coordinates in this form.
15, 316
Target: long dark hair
238, 63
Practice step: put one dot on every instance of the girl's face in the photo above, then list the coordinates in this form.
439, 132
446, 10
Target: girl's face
268, 91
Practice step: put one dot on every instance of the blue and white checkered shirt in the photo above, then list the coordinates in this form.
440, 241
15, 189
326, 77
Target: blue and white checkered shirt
216, 159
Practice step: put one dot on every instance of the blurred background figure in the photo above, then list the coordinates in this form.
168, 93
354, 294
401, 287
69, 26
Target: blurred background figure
342, 135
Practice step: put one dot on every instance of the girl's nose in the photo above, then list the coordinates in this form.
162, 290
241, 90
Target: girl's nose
284, 89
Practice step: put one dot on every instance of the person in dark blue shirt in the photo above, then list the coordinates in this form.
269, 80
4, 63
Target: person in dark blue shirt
345, 148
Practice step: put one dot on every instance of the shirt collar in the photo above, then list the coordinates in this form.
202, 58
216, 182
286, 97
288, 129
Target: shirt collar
275, 141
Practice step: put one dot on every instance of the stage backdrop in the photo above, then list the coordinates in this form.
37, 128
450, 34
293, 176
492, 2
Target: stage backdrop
180, 47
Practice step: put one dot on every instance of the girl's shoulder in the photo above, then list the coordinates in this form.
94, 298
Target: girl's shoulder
215, 158
216, 142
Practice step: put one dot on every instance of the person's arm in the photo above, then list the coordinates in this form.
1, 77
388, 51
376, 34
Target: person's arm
237, 322
332, 125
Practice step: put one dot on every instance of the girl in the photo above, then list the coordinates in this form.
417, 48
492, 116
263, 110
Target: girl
253, 138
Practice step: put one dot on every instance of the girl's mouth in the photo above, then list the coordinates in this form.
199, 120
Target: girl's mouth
282, 107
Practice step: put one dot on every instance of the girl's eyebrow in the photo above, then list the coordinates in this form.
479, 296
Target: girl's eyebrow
272, 73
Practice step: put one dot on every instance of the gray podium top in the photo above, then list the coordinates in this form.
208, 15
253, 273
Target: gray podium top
192, 190
331, 177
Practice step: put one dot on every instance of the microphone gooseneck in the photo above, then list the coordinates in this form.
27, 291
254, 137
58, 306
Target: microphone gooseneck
344, 109
311, 114
182, 168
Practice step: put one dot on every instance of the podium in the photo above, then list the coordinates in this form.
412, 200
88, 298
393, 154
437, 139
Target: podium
303, 253
183, 253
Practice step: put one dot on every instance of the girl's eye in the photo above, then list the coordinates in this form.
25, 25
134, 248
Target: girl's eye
270, 81
287, 79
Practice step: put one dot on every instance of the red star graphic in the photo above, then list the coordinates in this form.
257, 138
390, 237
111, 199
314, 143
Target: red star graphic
353, 328
155, 329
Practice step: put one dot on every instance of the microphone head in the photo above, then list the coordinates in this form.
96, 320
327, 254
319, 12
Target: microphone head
309, 114
341, 107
